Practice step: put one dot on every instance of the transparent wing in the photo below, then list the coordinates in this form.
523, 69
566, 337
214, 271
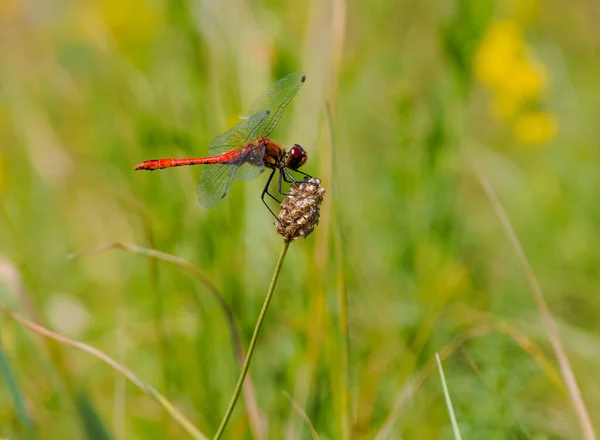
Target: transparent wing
239, 135
215, 180
275, 100
252, 164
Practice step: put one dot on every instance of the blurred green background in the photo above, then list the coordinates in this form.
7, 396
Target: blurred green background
417, 92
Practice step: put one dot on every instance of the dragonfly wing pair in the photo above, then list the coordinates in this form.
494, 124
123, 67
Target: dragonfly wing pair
246, 162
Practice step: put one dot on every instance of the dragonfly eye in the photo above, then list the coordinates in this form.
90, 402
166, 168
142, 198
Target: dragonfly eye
296, 157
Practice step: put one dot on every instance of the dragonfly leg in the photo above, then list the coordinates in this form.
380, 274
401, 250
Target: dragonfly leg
303, 173
284, 175
273, 197
287, 177
279, 186
266, 191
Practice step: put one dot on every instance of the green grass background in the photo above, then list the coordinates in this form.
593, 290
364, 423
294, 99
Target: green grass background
89, 89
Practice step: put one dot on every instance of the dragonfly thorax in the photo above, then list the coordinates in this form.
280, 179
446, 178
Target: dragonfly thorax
277, 158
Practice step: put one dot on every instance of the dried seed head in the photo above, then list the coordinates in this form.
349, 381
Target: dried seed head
299, 212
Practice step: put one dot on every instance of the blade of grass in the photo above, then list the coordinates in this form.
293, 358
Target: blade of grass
547, 320
94, 427
252, 346
119, 405
174, 412
249, 394
158, 318
343, 376
14, 389
455, 429
15, 285
403, 396
417, 380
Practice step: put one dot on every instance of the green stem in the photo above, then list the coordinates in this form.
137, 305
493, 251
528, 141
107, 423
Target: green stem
259, 322
345, 358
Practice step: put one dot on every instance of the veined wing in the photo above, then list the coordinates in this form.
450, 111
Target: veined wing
275, 100
216, 179
239, 135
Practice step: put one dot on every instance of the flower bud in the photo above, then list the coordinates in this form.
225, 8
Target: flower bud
300, 209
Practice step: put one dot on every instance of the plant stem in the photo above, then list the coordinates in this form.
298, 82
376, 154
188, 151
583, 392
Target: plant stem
259, 322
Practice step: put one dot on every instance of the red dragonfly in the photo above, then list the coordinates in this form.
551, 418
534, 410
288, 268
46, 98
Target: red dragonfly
245, 150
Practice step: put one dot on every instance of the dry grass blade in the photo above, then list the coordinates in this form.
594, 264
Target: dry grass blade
546, 364
547, 319
252, 408
303, 416
12, 278
178, 416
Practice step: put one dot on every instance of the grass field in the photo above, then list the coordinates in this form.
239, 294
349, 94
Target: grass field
457, 142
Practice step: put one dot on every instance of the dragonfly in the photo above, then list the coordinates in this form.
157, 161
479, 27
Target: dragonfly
245, 151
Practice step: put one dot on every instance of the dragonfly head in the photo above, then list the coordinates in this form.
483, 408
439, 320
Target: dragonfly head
296, 157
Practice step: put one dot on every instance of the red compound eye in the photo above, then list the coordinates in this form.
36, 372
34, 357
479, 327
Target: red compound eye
296, 157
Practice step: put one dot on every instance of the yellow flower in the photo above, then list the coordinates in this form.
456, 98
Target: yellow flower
524, 82
501, 47
517, 81
535, 128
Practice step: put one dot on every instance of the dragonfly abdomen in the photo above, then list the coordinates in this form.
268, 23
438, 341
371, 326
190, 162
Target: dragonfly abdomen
159, 164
